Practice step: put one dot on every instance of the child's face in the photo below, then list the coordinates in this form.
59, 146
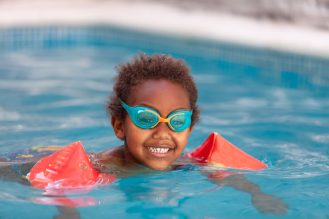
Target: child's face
149, 146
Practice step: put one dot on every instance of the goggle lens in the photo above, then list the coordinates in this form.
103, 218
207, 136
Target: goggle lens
146, 119
180, 121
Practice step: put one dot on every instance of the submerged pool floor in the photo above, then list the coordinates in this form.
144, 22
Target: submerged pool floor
55, 83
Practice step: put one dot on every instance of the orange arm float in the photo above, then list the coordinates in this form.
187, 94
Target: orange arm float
217, 150
67, 168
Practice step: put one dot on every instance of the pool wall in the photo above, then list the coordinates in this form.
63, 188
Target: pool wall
45, 37
170, 19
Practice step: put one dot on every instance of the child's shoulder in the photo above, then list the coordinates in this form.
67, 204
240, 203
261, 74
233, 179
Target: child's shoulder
116, 161
109, 161
116, 152
115, 155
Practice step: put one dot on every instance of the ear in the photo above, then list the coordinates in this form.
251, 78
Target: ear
118, 128
191, 128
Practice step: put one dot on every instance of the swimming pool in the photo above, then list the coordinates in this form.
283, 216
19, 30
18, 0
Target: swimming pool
55, 82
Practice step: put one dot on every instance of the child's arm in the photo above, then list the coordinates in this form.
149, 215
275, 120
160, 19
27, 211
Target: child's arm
67, 213
14, 171
265, 203
8, 174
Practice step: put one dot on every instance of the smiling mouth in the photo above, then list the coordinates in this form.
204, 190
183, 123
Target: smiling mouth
159, 151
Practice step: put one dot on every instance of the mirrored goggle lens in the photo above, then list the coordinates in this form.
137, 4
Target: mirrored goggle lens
146, 119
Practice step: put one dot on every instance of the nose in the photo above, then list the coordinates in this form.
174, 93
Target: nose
161, 131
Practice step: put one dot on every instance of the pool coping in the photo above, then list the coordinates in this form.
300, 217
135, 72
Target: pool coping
151, 17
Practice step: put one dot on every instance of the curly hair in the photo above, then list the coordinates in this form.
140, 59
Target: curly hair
155, 67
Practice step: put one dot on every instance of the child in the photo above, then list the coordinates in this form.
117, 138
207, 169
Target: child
153, 110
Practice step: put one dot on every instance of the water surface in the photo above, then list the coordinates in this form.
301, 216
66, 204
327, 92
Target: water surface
55, 83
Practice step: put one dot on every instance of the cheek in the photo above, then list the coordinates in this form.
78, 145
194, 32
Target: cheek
129, 127
182, 139
134, 135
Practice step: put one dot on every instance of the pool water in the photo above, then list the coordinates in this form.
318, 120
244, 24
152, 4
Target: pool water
55, 83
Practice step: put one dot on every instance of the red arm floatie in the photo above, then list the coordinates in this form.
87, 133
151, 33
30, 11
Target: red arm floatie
67, 168
217, 150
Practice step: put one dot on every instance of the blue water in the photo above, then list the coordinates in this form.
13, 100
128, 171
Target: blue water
55, 83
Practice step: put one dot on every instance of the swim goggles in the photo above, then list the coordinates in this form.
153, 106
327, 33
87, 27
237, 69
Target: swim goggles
147, 118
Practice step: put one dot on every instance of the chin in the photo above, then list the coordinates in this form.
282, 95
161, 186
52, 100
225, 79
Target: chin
160, 167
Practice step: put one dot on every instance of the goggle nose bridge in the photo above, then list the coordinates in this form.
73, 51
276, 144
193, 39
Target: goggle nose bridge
164, 120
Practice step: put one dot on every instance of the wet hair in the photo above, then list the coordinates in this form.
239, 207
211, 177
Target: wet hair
155, 67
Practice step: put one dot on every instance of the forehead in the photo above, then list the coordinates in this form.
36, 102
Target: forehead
163, 95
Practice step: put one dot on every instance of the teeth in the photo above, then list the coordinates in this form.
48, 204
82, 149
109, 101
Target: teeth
158, 150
